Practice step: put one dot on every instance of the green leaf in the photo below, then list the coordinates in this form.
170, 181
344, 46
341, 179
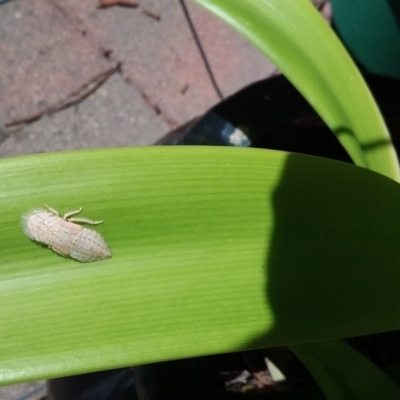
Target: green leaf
343, 374
207, 244
296, 38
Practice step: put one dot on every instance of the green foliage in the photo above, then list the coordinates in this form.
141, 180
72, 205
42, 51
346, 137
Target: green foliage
214, 250
343, 374
296, 38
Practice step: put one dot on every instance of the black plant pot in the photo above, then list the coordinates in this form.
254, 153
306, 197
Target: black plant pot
268, 114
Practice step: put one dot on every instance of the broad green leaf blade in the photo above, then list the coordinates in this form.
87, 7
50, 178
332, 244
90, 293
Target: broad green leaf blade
343, 374
296, 38
207, 247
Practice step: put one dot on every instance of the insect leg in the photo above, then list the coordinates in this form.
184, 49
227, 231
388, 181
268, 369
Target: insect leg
71, 213
51, 209
85, 221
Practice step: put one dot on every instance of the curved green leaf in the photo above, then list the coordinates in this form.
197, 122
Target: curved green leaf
206, 243
343, 374
296, 38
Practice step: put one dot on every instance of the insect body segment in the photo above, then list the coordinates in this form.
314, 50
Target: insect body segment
64, 235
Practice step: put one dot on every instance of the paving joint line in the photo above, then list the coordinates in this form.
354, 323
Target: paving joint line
106, 53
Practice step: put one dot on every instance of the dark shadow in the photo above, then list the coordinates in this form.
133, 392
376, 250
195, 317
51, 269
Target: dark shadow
331, 234
372, 145
395, 7
117, 384
376, 144
201, 50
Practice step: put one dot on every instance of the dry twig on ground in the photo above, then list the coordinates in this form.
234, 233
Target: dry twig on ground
151, 14
73, 99
123, 3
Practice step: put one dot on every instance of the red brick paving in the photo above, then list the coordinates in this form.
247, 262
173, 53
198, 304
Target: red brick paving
43, 58
51, 47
